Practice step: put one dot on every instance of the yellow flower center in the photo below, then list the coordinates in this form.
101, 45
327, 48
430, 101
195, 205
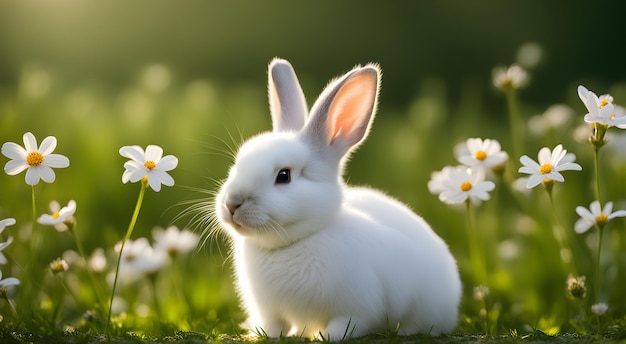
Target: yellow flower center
602, 219
603, 103
480, 155
55, 215
466, 186
34, 158
545, 168
150, 165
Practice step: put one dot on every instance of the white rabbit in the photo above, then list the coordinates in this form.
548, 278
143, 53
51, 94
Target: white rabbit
313, 256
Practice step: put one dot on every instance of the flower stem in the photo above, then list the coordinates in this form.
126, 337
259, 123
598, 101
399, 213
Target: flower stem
476, 259
596, 160
515, 126
155, 298
565, 251
129, 231
81, 250
33, 244
598, 254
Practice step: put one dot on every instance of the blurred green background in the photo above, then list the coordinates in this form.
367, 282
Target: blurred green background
190, 76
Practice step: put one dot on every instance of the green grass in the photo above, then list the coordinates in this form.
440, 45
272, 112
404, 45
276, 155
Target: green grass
181, 337
197, 120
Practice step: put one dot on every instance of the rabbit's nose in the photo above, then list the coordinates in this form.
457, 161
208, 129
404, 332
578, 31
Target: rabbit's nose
232, 206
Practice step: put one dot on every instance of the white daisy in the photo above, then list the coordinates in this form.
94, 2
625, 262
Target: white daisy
60, 217
174, 241
595, 216
38, 161
601, 109
551, 163
477, 152
457, 184
150, 164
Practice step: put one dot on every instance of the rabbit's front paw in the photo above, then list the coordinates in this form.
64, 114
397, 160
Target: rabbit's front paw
341, 328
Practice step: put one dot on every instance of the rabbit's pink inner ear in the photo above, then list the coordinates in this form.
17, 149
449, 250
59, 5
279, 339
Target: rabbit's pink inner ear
352, 108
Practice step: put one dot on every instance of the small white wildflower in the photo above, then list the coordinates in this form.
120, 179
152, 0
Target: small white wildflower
509, 77
481, 292
150, 164
551, 163
599, 308
174, 241
38, 161
576, 286
601, 109
529, 54
60, 217
595, 216
59, 265
555, 117
139, 256
98, 260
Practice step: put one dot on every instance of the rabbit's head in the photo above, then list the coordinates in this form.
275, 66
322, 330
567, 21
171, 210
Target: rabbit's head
286, 184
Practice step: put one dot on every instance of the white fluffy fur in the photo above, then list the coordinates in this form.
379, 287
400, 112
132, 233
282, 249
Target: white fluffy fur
315, 256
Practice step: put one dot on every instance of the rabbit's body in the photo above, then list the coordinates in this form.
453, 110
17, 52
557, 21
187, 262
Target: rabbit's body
327, 284
315, 256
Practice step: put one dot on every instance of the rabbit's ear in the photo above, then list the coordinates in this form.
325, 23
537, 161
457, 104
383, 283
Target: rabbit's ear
287, 103
342, 115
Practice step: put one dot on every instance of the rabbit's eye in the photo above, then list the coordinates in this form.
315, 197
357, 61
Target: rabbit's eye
283, 176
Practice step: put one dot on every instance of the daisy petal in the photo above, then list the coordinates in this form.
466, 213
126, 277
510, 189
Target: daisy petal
528, 162
168, 163
10, 281
57, 161
595, 208
135, 153
163, 177
554, 175
582, 225
619, 213
14, 151
32, 176
154, 182
30, 142
48, 145
474, 145
136, 175
46, 173
154, 153
544, 156
14, 167
582, 93
585, 214
534, 180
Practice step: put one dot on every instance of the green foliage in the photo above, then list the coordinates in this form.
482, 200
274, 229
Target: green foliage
200, 121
